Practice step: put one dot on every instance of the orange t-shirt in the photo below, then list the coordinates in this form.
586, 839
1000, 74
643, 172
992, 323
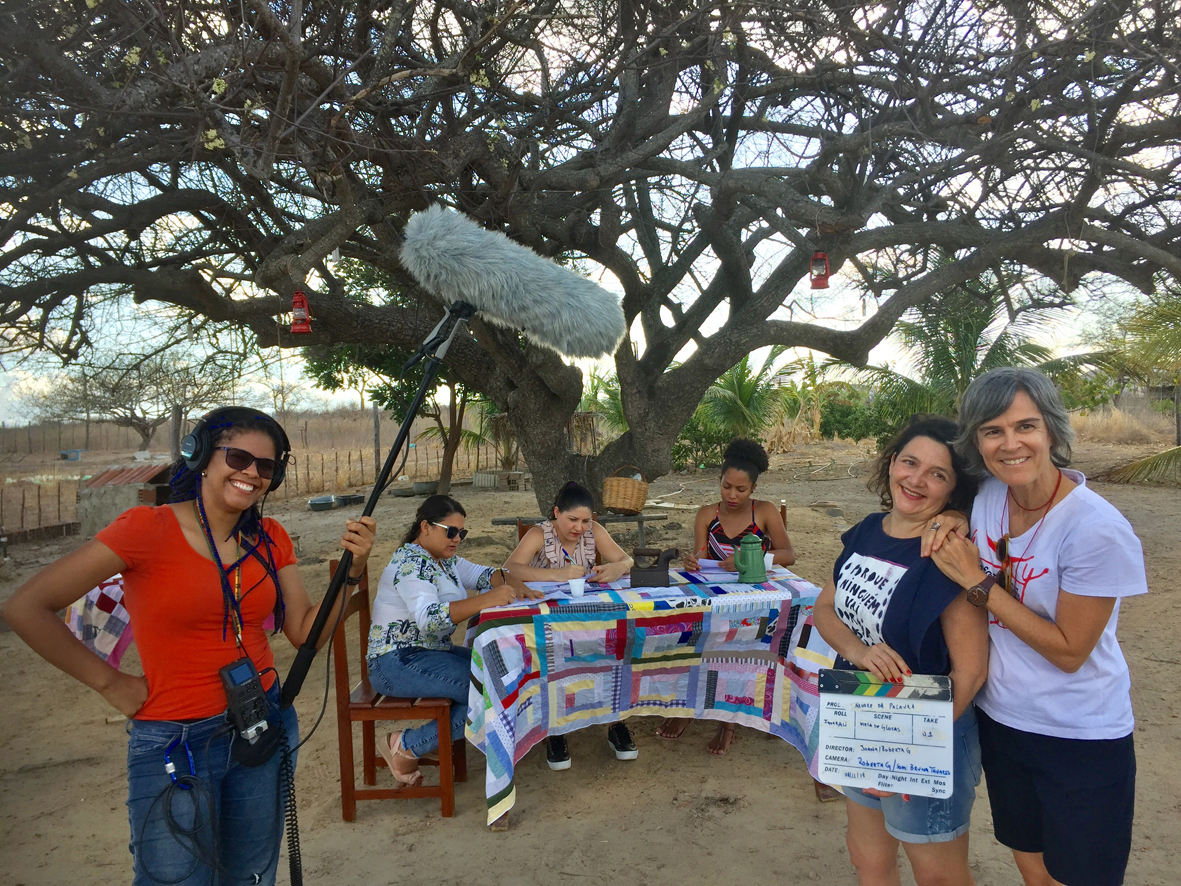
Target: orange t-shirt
175, 601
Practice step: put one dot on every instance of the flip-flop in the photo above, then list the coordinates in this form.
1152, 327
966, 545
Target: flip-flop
389, 751
825, 793
684, 725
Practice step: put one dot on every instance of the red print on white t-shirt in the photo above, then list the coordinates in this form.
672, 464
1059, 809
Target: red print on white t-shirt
1022, 571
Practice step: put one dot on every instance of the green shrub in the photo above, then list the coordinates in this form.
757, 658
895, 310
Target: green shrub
849, 413
700, 442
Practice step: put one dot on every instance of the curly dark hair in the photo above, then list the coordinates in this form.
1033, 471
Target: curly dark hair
941, 430
746, 456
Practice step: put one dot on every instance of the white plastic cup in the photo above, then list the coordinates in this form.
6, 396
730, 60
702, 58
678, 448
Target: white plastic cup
769, 561
577, 587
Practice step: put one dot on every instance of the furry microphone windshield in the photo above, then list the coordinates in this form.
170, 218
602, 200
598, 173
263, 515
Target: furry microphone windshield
509, 284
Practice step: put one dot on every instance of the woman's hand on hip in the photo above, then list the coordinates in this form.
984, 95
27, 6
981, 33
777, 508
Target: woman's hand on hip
358, 537
126, 693
883, 662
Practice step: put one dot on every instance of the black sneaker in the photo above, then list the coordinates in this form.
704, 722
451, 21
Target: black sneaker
557, 755
621, 742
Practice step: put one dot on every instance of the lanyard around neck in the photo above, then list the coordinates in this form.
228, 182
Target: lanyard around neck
233, 595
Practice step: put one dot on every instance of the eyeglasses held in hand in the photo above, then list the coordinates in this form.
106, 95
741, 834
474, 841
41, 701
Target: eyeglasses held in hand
240, 460
1004, 578
452, 531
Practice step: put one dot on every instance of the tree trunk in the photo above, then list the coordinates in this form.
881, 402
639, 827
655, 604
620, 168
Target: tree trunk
175, 424
451, 440
1177, 409
658, 403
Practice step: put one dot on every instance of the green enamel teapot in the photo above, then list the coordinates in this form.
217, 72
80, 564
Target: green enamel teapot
752, 568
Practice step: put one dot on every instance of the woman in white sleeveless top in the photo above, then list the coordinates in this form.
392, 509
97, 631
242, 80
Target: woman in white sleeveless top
562, 548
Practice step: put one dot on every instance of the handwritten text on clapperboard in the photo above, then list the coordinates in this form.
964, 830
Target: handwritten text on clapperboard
901, 743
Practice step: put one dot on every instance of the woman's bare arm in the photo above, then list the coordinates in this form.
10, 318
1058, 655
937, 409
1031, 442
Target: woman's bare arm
1066, 642
32, 613
616, 561
527, 548
300, 612
965, 628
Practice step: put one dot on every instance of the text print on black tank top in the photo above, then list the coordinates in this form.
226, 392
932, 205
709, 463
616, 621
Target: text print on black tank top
864, 587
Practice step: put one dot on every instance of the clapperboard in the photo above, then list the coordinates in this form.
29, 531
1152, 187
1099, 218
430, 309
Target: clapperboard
888, 736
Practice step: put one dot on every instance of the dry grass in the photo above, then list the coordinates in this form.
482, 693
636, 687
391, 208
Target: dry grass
1114, 425
788, 434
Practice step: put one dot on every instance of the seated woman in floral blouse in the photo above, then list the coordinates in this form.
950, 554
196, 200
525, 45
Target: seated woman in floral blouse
422, 596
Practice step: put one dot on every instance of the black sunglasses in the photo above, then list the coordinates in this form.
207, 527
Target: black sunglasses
452, 531
240, 460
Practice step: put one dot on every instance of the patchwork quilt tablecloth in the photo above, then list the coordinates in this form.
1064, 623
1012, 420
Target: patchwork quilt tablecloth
703, 648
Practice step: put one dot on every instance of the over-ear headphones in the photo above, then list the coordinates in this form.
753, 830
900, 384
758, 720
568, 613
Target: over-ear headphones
197, 447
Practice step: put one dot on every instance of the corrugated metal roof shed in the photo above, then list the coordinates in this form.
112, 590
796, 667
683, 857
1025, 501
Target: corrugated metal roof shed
129, 474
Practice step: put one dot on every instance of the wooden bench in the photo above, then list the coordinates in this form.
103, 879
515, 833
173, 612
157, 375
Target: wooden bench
365, 705
607, 520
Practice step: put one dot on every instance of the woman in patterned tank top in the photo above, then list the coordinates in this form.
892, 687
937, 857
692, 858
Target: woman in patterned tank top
562, 548
717, 532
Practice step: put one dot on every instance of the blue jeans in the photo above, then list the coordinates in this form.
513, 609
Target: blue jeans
926, 819
246, 819
414, 672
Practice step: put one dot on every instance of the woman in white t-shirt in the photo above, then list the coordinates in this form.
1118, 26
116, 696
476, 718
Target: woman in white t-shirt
1055, 715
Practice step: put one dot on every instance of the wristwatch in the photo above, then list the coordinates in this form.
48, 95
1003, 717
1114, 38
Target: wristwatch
978, 594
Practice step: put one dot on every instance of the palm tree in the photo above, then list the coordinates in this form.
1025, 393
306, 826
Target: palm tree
601, 395
743, 401
1152, 352
954, 338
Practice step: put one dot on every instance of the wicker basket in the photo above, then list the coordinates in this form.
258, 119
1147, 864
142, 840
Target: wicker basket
624, 495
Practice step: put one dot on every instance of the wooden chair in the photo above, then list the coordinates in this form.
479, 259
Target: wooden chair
523, 527
366, 705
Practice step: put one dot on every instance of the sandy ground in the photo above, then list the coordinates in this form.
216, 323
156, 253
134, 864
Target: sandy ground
675, 816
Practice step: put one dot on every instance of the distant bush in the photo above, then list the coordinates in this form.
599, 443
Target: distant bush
700, 442
850, 413
1086, 392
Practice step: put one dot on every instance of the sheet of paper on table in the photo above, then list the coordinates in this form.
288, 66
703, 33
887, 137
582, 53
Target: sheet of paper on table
888, 736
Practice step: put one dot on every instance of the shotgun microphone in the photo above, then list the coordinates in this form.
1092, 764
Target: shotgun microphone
511, 285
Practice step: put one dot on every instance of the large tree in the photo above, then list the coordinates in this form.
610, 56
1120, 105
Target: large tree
213, 155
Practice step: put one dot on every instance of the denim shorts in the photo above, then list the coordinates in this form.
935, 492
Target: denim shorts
927, 819
246, 819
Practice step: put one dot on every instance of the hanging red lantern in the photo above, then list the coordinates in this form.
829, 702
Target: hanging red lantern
819, 270
301, 313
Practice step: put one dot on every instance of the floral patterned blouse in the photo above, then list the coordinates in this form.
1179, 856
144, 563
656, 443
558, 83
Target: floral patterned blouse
411, 607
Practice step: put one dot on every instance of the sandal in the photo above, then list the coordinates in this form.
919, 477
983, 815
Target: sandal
825, 793
391, 751
668, 729
723, 738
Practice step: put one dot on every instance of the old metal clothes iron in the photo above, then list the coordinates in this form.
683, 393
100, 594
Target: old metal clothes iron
752, 568
654, 572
